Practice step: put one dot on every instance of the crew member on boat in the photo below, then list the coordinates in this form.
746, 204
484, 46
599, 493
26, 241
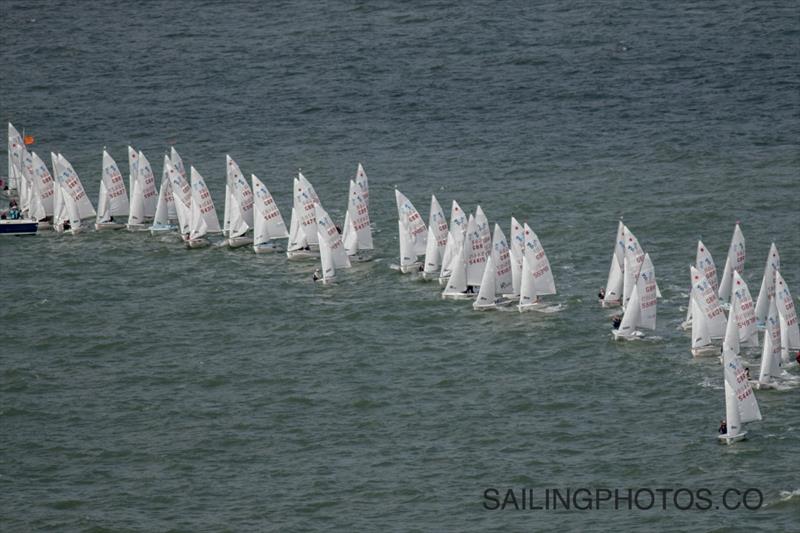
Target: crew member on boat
616, 321
723, 427
602, 293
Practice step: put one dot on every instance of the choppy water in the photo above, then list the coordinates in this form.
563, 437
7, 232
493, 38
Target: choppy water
147, 387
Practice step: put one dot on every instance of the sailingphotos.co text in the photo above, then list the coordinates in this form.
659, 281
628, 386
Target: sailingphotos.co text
627, 499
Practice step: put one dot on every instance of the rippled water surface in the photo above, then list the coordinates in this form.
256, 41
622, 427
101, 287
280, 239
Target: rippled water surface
146, 387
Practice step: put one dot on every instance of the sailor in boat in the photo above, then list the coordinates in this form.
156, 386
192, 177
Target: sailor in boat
602, 293
798, 357
616, 321
747, 372
66, 226
723, 427
317, 275
470, 289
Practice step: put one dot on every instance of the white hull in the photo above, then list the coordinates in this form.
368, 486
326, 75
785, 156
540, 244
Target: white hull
158, 230
267, 248
534, 306
202, 242
360, 257
101, 226
727, 439
612, 303
300, 255
44, 224
430, 276
762, 386
632, 336
238, 242
443, 280
137, 227
705, 351
408, 269
460, 296
498, 303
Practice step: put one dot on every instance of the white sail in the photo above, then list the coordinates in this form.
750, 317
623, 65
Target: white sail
177, 162
407, 254
242, 199
72, 185
527, 288
304, 199
482, 226
630, 318
734, 261
713, 315
517, 248
475, 253
790, 331
267, 220
539, 264
437, 238
297, 237
501, 259
771, 354
182, 197
113, 199
59, 211
206, 203
44, 184
165, 206
363, 185
133, 170
333, 240
326, 257
743, 311
705, 264
646, 288
198, 223
143, 191
700, 335
455, 239
411, 219
767, 289
740, 401
614, 285
487, 294
68, 210
457, 283
15, 147
357, 227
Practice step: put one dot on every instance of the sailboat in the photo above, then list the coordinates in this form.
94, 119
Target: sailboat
517, 249
641, 309
455, 238
496, 278
740, 401
614, 285
113, 198
362, 183
331, 249
177, 162
16, 145
303, 239
743, 312
202, 196
143, 192
537, 277
37, 203
182, 198
767, 289
771, 353
238, 216
456, 288
29, 199
166, 214
412, 234
357, 235
268, 223
790, 330
705, 264
708, 318
437, 241
71, 204
734, 261
475, 253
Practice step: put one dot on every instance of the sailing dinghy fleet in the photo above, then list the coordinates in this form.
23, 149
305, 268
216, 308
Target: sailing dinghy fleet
631, 284
468, 257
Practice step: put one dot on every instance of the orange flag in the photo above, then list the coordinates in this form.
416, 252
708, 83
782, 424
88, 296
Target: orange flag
28, 140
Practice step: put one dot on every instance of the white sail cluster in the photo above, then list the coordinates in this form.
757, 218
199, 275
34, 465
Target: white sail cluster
470, 259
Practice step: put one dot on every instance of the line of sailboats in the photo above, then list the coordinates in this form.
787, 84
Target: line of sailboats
467, 256
631, 284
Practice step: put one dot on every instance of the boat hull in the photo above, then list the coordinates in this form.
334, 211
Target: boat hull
533, 306
497, 304
193, 244
408, 269
238, 242
104, 226
267, 248
301, 255
458, 296
705, 351
730, 439
137, 227
618, 336
610, 303
18, 227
